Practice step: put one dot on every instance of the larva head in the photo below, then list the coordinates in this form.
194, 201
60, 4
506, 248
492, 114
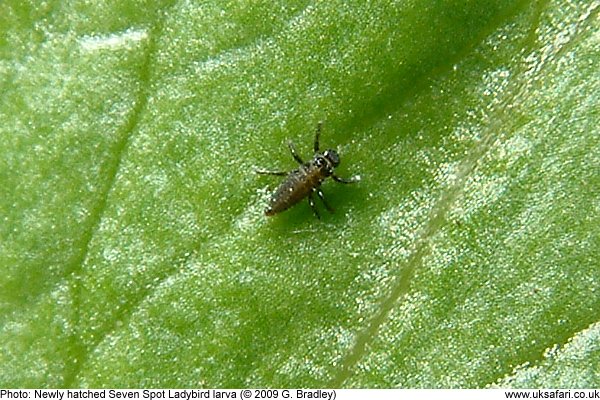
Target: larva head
333, 157
327, 161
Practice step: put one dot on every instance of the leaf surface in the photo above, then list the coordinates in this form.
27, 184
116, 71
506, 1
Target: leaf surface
133, 247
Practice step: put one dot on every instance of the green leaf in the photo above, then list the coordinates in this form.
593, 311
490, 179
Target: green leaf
133, 247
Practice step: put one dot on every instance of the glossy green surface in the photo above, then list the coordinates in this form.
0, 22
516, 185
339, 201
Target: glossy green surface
133, 248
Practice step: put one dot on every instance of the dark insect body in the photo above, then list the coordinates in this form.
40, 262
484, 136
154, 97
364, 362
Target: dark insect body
306, 180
